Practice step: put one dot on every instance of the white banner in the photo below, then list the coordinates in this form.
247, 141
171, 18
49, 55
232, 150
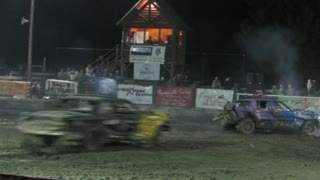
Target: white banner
147, 54
56, 87
135, 93
147, 71
213, 98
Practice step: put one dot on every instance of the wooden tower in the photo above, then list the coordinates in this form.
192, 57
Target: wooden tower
154, 23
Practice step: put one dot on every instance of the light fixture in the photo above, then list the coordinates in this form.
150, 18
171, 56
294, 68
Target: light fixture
24, 21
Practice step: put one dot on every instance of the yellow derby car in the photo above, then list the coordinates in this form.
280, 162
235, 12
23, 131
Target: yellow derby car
91, 122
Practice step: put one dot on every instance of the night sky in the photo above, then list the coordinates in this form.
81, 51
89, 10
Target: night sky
92, 24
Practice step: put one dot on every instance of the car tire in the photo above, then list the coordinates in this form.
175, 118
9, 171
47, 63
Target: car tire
32, 144
246, 126
94, 140
309, 128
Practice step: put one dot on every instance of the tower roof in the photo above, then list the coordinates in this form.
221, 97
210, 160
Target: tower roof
152, 13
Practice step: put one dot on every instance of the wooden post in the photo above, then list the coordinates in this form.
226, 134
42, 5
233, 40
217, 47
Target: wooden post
29, 70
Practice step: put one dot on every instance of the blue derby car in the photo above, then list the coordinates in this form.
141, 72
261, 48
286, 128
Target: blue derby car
250, 114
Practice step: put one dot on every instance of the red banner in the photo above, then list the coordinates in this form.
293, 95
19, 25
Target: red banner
174, 96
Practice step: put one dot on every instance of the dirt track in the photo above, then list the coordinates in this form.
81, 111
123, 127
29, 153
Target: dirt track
194, 149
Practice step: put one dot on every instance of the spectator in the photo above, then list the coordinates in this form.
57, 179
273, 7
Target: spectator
110, 75
131, 38
274, 90
89, 71
35, 90
186, 80
162, 81
216, 84
149, 41
178, 80
67, 77
81, 77
117, 74
309, 85
169, 39
72, 74
227, 83
290, 90
314, 87
61, 74
281, 90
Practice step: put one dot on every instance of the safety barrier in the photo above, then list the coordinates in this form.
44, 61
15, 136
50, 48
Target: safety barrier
184, 97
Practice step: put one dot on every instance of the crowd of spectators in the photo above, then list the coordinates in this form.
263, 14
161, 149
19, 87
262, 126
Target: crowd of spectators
226, 84
87, 74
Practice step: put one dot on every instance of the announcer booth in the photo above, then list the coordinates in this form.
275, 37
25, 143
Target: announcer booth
153, 41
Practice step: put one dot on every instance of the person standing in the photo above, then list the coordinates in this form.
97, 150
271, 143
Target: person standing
178, 80
281, 90
89, 71
227, 83
309, 85
274, 90
290, 90
216, 84
35, 90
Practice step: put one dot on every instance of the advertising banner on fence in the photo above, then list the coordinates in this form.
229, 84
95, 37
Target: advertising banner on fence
106, 86
12, 88
56, 87
147, 54
135, 93
174, 96
213, 98
147, 71
301, 102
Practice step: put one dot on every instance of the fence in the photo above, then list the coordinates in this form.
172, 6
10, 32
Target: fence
194, 97
153, 94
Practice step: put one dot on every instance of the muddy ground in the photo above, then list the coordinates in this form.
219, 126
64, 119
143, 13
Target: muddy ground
194, 149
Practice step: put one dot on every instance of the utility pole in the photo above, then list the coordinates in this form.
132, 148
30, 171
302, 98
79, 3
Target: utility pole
29, 69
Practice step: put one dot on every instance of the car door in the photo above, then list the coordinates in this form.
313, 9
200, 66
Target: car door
284, 116
265, 116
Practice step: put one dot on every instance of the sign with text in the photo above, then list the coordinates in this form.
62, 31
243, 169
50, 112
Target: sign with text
12, 88
135, 93
213, 98
147, 54
56, 87
147, 71
301, 102
174, 96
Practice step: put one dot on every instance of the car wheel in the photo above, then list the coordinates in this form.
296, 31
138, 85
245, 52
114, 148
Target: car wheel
246, 126
94, 140
33, 144
309, 128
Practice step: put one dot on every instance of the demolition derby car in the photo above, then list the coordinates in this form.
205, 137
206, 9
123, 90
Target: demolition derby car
250, 114
91, 122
